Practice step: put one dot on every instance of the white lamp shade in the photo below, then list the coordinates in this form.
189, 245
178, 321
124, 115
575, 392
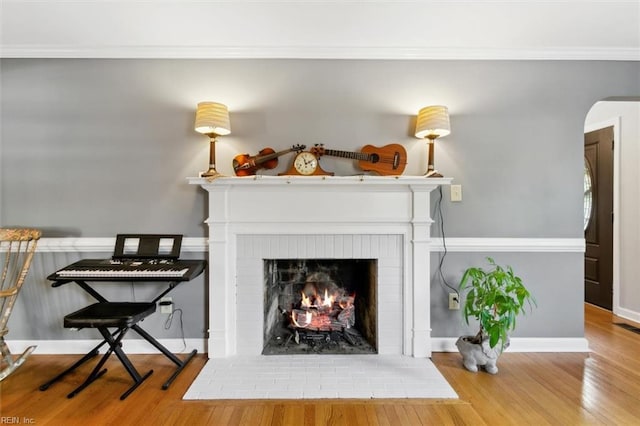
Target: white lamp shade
433, 121
212, 117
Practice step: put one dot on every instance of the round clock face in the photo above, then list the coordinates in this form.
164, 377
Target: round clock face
305, 163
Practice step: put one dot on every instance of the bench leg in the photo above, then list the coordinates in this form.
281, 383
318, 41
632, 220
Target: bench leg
97, 371
117, 348
77, 364
115, 345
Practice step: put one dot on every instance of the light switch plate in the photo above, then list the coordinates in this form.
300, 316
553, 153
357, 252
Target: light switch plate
456, 193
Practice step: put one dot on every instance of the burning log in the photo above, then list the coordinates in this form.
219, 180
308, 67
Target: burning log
347, 316
324, 313
331, 320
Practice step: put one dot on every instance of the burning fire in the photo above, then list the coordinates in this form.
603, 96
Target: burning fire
328, 312
318, 302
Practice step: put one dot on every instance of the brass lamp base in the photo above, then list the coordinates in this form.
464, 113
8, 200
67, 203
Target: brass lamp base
431, 171
211, 174
433, 174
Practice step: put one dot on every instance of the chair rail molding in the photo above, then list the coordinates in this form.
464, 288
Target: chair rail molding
531, 245
461, 245
101, 245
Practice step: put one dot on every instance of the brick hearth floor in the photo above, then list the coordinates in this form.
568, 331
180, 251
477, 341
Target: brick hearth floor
319, 377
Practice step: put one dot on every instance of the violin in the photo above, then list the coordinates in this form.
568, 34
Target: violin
267, 158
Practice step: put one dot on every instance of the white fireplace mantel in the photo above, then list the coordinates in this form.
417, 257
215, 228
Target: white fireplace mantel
368, 180
317, 207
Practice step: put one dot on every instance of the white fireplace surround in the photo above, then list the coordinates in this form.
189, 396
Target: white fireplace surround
270, 217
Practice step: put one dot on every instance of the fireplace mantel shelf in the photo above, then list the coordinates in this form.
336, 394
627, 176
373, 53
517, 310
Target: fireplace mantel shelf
322, 180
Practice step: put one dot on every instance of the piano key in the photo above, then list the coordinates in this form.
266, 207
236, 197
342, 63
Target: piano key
121, 273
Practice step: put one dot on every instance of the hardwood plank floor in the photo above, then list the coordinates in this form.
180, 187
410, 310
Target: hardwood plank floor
602, 387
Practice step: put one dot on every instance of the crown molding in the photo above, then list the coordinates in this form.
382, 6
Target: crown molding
313, 29
318, 52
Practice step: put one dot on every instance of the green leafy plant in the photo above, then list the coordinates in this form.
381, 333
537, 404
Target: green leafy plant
495, 298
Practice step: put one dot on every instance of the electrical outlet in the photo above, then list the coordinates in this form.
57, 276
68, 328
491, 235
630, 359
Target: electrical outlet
454, 302
456, 193
166, 305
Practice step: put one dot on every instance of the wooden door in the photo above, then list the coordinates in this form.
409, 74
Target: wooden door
598, 233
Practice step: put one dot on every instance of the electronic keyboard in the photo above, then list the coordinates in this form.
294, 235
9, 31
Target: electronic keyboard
136, 257
134, 269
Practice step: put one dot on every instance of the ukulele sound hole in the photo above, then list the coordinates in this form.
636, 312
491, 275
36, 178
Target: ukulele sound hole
375, 158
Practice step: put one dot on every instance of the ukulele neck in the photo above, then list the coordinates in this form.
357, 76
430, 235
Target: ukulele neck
347, 154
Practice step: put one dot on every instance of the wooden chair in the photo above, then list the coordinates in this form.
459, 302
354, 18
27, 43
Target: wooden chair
17, 247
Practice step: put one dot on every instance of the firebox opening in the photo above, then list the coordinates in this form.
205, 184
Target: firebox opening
320, 306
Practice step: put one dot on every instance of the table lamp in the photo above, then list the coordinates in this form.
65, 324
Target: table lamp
212, 119
432, 123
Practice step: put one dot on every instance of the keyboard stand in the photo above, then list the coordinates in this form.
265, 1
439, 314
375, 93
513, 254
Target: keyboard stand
180, 363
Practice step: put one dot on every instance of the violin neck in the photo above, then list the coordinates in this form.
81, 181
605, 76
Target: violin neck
262, 158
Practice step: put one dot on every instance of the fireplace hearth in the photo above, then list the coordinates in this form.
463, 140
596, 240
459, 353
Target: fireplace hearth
320, 306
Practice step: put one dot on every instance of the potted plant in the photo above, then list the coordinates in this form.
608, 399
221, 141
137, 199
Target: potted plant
494, 298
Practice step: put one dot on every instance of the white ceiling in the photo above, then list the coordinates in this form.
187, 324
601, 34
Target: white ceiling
368, 29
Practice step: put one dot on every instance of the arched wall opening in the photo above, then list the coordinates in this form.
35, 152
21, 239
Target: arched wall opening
623, 114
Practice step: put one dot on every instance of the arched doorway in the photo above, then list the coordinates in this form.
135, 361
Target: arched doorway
623, 116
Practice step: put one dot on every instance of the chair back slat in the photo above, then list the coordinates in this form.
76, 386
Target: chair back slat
17, 247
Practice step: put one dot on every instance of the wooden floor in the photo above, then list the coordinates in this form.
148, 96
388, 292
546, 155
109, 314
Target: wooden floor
602, 387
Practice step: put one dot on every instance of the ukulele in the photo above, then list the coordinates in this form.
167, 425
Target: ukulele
245, 165
386, 160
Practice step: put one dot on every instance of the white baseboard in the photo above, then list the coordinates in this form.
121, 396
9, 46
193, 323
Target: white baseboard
523, 344
627, 314
130, 346
140, 346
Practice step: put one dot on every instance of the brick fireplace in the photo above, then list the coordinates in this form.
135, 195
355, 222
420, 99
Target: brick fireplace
252, 219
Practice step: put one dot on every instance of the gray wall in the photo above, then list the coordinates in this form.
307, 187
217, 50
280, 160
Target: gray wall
91, 148
551, 277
